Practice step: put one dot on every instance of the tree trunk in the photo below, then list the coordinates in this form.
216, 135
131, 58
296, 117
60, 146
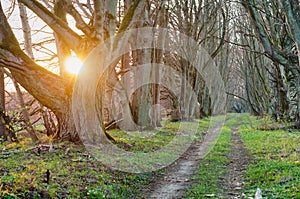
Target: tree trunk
49, 123
63, 51
28, 126
127, 122
3, 133
297, 113
48, 88
6, 127
142, 102
67, 128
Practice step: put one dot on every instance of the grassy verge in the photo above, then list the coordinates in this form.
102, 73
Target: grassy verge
275, 168
153, 140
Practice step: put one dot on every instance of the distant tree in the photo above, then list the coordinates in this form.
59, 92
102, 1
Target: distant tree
253, 65
206, 22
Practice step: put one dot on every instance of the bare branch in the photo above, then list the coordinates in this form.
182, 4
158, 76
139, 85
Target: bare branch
72, 39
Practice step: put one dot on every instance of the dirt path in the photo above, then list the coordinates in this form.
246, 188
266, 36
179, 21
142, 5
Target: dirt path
177, 179
238, 160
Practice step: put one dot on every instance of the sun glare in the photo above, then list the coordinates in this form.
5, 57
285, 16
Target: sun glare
73, 65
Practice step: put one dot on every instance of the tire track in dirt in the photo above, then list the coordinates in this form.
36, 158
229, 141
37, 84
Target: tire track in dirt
178, 176
238, 160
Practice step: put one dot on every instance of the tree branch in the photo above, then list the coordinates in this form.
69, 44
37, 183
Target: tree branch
44, 85
271, 51
80, 24
127, 20
11, 65
292, 12
72, 39
234, 95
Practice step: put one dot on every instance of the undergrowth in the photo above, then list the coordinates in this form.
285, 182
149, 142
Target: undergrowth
73, 174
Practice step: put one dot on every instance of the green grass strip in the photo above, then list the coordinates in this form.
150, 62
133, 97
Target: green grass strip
275, 167
212, 168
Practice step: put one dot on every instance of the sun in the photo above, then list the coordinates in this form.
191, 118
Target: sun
73, 65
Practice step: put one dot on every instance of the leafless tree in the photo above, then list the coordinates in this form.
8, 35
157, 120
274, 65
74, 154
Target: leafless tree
52, 90
276, 24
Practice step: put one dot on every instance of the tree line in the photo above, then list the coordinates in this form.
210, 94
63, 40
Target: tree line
254, 44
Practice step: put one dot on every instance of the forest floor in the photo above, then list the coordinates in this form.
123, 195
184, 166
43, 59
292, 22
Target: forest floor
243, 159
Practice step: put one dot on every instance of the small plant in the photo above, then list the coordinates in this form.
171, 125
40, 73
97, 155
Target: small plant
266, 121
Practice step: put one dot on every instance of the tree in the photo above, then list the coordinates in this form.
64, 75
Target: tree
252, 64
52, 90
101, 20
6, 127
2, 104
206, 22
276, 24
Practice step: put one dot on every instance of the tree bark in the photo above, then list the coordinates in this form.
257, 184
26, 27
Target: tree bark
63, 51
3, 133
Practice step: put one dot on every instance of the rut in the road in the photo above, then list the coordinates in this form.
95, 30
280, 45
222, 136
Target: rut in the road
238, 160
177, 179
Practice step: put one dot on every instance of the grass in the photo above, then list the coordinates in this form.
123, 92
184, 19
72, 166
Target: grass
275, 167
152, 140
76, 174
73, 175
